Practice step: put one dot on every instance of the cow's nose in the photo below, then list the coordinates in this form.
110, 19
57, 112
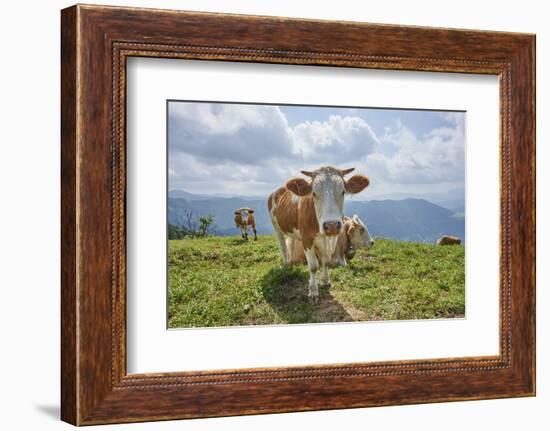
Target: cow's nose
332, 227
372, 242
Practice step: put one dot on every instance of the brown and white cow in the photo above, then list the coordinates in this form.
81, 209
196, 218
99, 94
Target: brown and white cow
355, 235
448, 240
244, 220
312, 212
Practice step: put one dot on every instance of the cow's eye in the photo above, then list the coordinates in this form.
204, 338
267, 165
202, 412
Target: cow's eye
314, 194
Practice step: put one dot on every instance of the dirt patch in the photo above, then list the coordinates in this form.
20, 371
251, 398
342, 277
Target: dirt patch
355, 313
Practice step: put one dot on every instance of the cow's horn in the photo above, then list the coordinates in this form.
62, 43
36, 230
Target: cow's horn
307, 173
344, 172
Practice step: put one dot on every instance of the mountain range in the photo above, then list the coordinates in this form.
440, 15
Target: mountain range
409, 219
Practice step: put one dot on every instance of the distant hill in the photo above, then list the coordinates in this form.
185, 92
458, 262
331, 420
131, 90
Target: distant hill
223, 211
182, 194
452, 200
415, 220
456, 205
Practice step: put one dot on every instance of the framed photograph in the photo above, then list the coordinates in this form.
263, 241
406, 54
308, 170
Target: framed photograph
264, 214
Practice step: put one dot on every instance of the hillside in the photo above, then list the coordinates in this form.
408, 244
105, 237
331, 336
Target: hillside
415, 220
225, 281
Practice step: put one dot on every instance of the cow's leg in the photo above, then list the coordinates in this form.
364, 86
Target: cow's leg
289, 242
339, 261
282, 246
255, 235
313, 265
325, 282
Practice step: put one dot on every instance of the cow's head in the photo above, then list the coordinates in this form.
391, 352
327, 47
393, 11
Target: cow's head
244, 212
357, 232
328, 188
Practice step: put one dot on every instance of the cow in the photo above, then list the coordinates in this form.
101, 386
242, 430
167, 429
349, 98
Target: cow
354, 235
312, 212
244, 220
448, 240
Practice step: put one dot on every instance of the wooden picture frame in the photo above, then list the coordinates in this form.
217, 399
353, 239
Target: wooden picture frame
95, 43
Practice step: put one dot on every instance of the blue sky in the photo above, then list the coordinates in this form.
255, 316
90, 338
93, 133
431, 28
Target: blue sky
244, 149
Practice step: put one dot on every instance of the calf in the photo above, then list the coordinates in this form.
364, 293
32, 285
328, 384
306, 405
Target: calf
244, 220
354, 235
448, 240
312, 212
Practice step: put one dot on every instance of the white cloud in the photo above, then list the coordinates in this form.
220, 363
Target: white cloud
435, 157
456, 118
251, 149
198, 175
224, 132
339, 139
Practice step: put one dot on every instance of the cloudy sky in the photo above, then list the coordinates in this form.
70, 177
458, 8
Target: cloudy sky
250, 150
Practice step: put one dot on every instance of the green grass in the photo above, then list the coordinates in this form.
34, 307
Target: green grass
225, 281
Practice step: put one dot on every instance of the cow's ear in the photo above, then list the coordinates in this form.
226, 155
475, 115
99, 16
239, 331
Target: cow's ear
250, 211
356, 184
299, 186
237, 212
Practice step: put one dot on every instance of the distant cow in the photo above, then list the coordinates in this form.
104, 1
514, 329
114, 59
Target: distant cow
244, 220
354, 235
312, 212
448, 240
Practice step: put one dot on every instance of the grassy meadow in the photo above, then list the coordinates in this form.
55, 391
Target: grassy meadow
225, 281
